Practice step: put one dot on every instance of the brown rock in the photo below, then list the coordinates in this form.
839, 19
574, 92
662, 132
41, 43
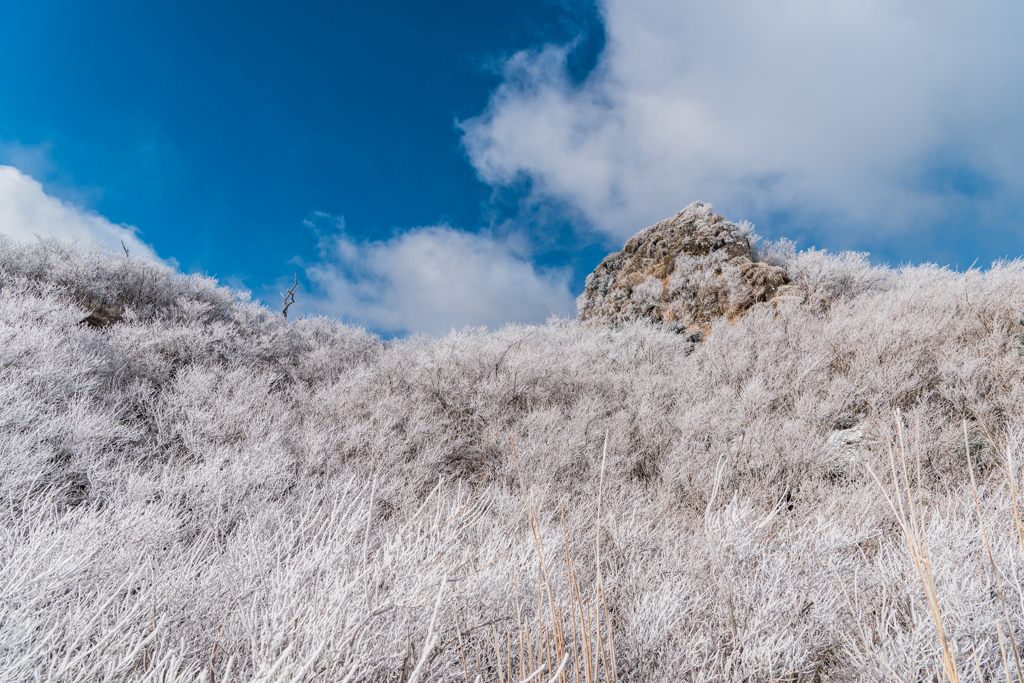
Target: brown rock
102, 315
790, 292
683, 272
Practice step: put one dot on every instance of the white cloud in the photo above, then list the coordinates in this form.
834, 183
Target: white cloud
27, 211
433, 279
864, 112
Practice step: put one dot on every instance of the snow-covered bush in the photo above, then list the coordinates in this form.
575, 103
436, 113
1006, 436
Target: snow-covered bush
204, 491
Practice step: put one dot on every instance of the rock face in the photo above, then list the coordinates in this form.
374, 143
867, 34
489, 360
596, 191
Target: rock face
683, 272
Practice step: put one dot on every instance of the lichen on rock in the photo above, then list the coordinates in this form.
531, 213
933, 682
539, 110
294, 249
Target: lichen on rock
683, 272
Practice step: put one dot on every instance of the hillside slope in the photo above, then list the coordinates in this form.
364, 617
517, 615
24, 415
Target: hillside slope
201, 490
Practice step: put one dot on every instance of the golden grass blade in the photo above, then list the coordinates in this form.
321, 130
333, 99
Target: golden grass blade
1002, 652
519, 618
592, 636
497, 654
611, 642
573, 598
534, 528
462, 647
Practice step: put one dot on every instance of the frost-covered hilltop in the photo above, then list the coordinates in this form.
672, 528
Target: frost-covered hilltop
195, 489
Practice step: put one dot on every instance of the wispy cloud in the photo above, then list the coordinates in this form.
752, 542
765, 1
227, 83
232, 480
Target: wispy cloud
26, 211
432, 279
866, 114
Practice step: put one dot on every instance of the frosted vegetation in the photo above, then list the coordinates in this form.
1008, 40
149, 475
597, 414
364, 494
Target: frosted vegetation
204, 491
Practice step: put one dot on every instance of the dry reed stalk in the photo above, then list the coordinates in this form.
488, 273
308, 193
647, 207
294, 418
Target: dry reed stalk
597, 650
497, 654
559, 672
1012, 478
913, 533
597, 562
519, 618
529, 648
431, 641
534, 529
977, 664
1002, 652
988, 550
611, 641
547, 642
572, 605
462, 647
1011, 475
726, 588
1016, 509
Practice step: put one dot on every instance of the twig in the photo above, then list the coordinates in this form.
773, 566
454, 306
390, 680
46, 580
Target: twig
561, 667
484, 474
430, 642
371, 615
973, 310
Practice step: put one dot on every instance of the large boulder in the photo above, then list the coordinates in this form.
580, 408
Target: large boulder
683, 272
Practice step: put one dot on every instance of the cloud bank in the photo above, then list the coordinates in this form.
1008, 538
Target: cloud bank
26, 211
876, 115
433, 279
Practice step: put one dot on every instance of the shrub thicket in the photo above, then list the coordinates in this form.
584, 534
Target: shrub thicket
203, 490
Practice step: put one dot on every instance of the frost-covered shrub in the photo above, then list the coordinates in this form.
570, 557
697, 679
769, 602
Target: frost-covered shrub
94, 276
203, 489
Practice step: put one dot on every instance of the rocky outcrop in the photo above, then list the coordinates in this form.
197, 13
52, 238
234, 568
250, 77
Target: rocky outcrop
845, 451
683, 273
102, 315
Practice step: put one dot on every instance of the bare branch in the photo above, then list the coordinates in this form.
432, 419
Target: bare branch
289, 298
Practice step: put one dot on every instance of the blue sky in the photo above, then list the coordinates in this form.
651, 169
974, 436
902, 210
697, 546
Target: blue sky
429, 165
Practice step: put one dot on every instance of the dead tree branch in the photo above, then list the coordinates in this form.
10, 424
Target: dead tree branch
289, 298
